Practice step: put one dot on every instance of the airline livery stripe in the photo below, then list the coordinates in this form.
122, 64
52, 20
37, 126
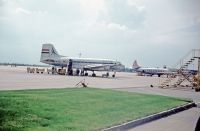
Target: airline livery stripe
45, 52
45, 49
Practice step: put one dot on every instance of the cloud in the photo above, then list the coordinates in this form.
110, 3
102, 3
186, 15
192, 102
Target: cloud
20, 10
120, 28
116, 26
92, 8
139, 4
124, 13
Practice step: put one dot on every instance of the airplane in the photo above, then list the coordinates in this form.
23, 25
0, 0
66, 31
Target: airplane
161, 71
50, 56
151, 71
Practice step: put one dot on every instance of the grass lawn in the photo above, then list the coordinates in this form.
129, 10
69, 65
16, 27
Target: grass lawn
76, 109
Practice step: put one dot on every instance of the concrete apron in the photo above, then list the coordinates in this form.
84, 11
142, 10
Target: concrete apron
134, 123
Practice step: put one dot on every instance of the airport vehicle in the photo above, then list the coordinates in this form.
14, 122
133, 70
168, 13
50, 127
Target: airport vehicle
151, 71
50, 56
197, 82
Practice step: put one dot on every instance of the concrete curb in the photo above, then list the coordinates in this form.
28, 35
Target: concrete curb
198, 104
134, 123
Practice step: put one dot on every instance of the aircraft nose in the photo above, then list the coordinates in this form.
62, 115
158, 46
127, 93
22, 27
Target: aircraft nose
122, 67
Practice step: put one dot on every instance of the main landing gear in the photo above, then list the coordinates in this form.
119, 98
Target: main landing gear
86, 74
93, 74
107, 75
114, 74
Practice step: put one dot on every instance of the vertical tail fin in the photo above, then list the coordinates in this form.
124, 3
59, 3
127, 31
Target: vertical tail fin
135, 65
48, 52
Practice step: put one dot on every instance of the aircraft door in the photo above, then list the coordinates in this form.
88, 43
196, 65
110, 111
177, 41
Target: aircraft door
69, 68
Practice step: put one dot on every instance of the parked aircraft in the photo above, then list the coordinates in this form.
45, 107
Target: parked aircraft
160, 71
50, 56
151, 71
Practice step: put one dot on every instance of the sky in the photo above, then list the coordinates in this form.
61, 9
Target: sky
153, 32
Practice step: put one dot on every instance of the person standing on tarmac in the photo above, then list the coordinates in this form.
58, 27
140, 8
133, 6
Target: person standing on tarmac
198, 125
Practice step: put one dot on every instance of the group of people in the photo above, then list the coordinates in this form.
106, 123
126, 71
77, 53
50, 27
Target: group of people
77, 72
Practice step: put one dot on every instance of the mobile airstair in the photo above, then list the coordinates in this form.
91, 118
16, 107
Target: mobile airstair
182, 72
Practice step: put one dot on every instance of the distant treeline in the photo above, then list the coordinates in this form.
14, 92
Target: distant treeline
20, 64
36, 65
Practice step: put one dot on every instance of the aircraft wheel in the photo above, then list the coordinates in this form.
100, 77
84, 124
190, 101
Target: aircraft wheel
107, 74
86, 74
113, 76
93, 75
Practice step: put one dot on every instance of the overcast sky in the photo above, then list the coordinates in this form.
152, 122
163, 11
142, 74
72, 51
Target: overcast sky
153, 32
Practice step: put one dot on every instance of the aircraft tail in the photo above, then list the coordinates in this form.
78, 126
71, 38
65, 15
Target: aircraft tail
135, 65
48, 52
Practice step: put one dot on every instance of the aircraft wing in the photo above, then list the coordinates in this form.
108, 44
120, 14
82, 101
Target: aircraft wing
97, 67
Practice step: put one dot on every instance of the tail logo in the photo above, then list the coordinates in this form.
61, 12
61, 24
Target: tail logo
45, 50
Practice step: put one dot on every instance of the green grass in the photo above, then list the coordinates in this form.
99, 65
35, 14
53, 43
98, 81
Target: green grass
76, 109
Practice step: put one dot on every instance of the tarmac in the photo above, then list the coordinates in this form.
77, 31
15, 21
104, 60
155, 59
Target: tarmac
17, 78
185, 92
183, 121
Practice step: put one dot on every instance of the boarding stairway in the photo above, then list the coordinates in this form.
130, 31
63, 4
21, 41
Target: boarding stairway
182, 72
